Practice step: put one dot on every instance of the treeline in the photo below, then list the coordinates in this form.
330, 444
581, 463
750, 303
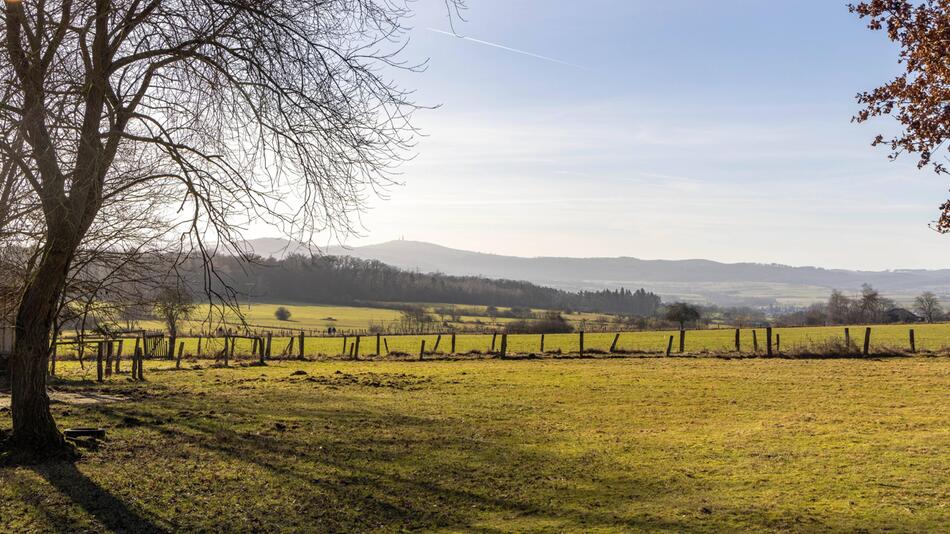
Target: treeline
865, 308
346, 281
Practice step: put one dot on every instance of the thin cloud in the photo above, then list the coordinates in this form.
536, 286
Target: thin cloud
508, 48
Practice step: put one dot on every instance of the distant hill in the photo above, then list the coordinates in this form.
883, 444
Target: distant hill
344, 280
698, 280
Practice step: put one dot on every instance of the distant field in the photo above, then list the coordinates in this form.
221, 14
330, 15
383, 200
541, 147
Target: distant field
933, 338
343, 318
659, 445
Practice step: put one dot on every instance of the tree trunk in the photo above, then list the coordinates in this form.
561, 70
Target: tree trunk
34, 429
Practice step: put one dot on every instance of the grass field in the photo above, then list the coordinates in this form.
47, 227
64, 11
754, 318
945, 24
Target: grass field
502, 446
343, 318
933, 338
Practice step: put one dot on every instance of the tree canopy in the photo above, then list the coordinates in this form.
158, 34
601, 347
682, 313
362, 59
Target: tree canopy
174, 124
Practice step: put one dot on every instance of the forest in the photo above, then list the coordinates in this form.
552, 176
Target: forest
346, 281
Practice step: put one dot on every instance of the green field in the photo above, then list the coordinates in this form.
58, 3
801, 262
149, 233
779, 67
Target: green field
931, 338
674, 445
344, 318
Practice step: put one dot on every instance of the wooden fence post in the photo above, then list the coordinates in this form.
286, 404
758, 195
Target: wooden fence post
493, 337
422, 350
669, 347
181, 351
542, 343
141, 357
438, 340
176, 354
453, 343
352, 347
613, 346
755, 342
99, 349
504, 345
377, 345
913, 346
581, 343
135, 364
199, 345
118, 357
136, 361
172, 345
867, 340
778, 343
301, 344
344, 346
682, 341
227, 341
270, 338
847, 339
738, 343
768, 340
109, 349
386, 344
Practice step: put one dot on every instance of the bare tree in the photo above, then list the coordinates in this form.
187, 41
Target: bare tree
173, 305
839, 308
872, 305
928, 306
229, 111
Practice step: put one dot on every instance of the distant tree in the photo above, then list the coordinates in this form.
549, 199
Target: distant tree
414, 319
917, 97
872, 304
814, 315
131, 313
928, 306
173, 304
839, 308
682, 313
282, 313
550, 323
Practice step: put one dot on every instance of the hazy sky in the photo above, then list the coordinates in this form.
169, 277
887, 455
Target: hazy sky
674, 129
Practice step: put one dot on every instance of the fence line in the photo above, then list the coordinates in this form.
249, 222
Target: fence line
764, 341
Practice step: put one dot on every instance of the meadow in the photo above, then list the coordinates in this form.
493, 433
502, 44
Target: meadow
317, 317
670, 445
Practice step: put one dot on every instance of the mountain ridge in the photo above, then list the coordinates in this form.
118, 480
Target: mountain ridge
691, 279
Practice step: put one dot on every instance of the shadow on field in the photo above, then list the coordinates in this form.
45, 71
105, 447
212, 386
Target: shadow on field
361, 474
320, 459
110, 511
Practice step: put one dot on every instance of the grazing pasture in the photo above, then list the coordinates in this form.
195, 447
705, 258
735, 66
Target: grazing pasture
673, 444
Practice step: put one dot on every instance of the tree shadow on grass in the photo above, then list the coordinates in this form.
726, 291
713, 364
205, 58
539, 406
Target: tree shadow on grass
107, 509
371, 482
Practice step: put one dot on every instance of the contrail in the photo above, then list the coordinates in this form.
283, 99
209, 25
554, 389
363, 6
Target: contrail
508, 48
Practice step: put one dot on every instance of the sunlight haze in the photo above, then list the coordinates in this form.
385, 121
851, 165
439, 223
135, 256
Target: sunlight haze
581, 134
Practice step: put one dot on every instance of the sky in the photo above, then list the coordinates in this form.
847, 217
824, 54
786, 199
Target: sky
658, 130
